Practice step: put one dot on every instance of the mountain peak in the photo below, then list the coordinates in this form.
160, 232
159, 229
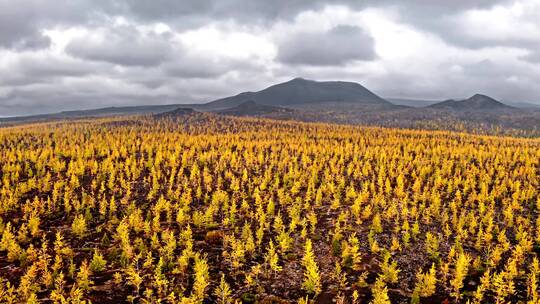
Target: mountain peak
481, 101
478, 95
475, 102
297, 81
303, 91
481, 97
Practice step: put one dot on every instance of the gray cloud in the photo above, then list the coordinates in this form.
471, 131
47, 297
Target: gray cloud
197, 12
22, 22
121, 63
190, 66
260, 10
337, 46
487, 68
533, 56
446, 19
123, 45
32, 68
18, 30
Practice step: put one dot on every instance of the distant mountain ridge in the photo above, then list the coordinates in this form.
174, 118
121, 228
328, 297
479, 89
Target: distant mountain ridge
101, 112
303, 91
326, 101
474, 103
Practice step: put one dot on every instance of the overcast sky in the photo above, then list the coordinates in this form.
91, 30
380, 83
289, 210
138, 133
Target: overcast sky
73, 54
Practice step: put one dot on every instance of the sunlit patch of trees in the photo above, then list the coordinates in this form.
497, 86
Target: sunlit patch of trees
225, 210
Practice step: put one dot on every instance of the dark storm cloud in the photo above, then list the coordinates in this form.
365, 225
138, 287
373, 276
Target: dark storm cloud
337, 46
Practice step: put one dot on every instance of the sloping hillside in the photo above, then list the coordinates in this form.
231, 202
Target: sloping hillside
303, 91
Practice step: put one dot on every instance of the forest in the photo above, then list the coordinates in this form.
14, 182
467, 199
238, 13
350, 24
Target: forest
211, 209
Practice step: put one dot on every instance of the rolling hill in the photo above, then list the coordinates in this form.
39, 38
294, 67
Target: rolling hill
477, 102
302, 91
